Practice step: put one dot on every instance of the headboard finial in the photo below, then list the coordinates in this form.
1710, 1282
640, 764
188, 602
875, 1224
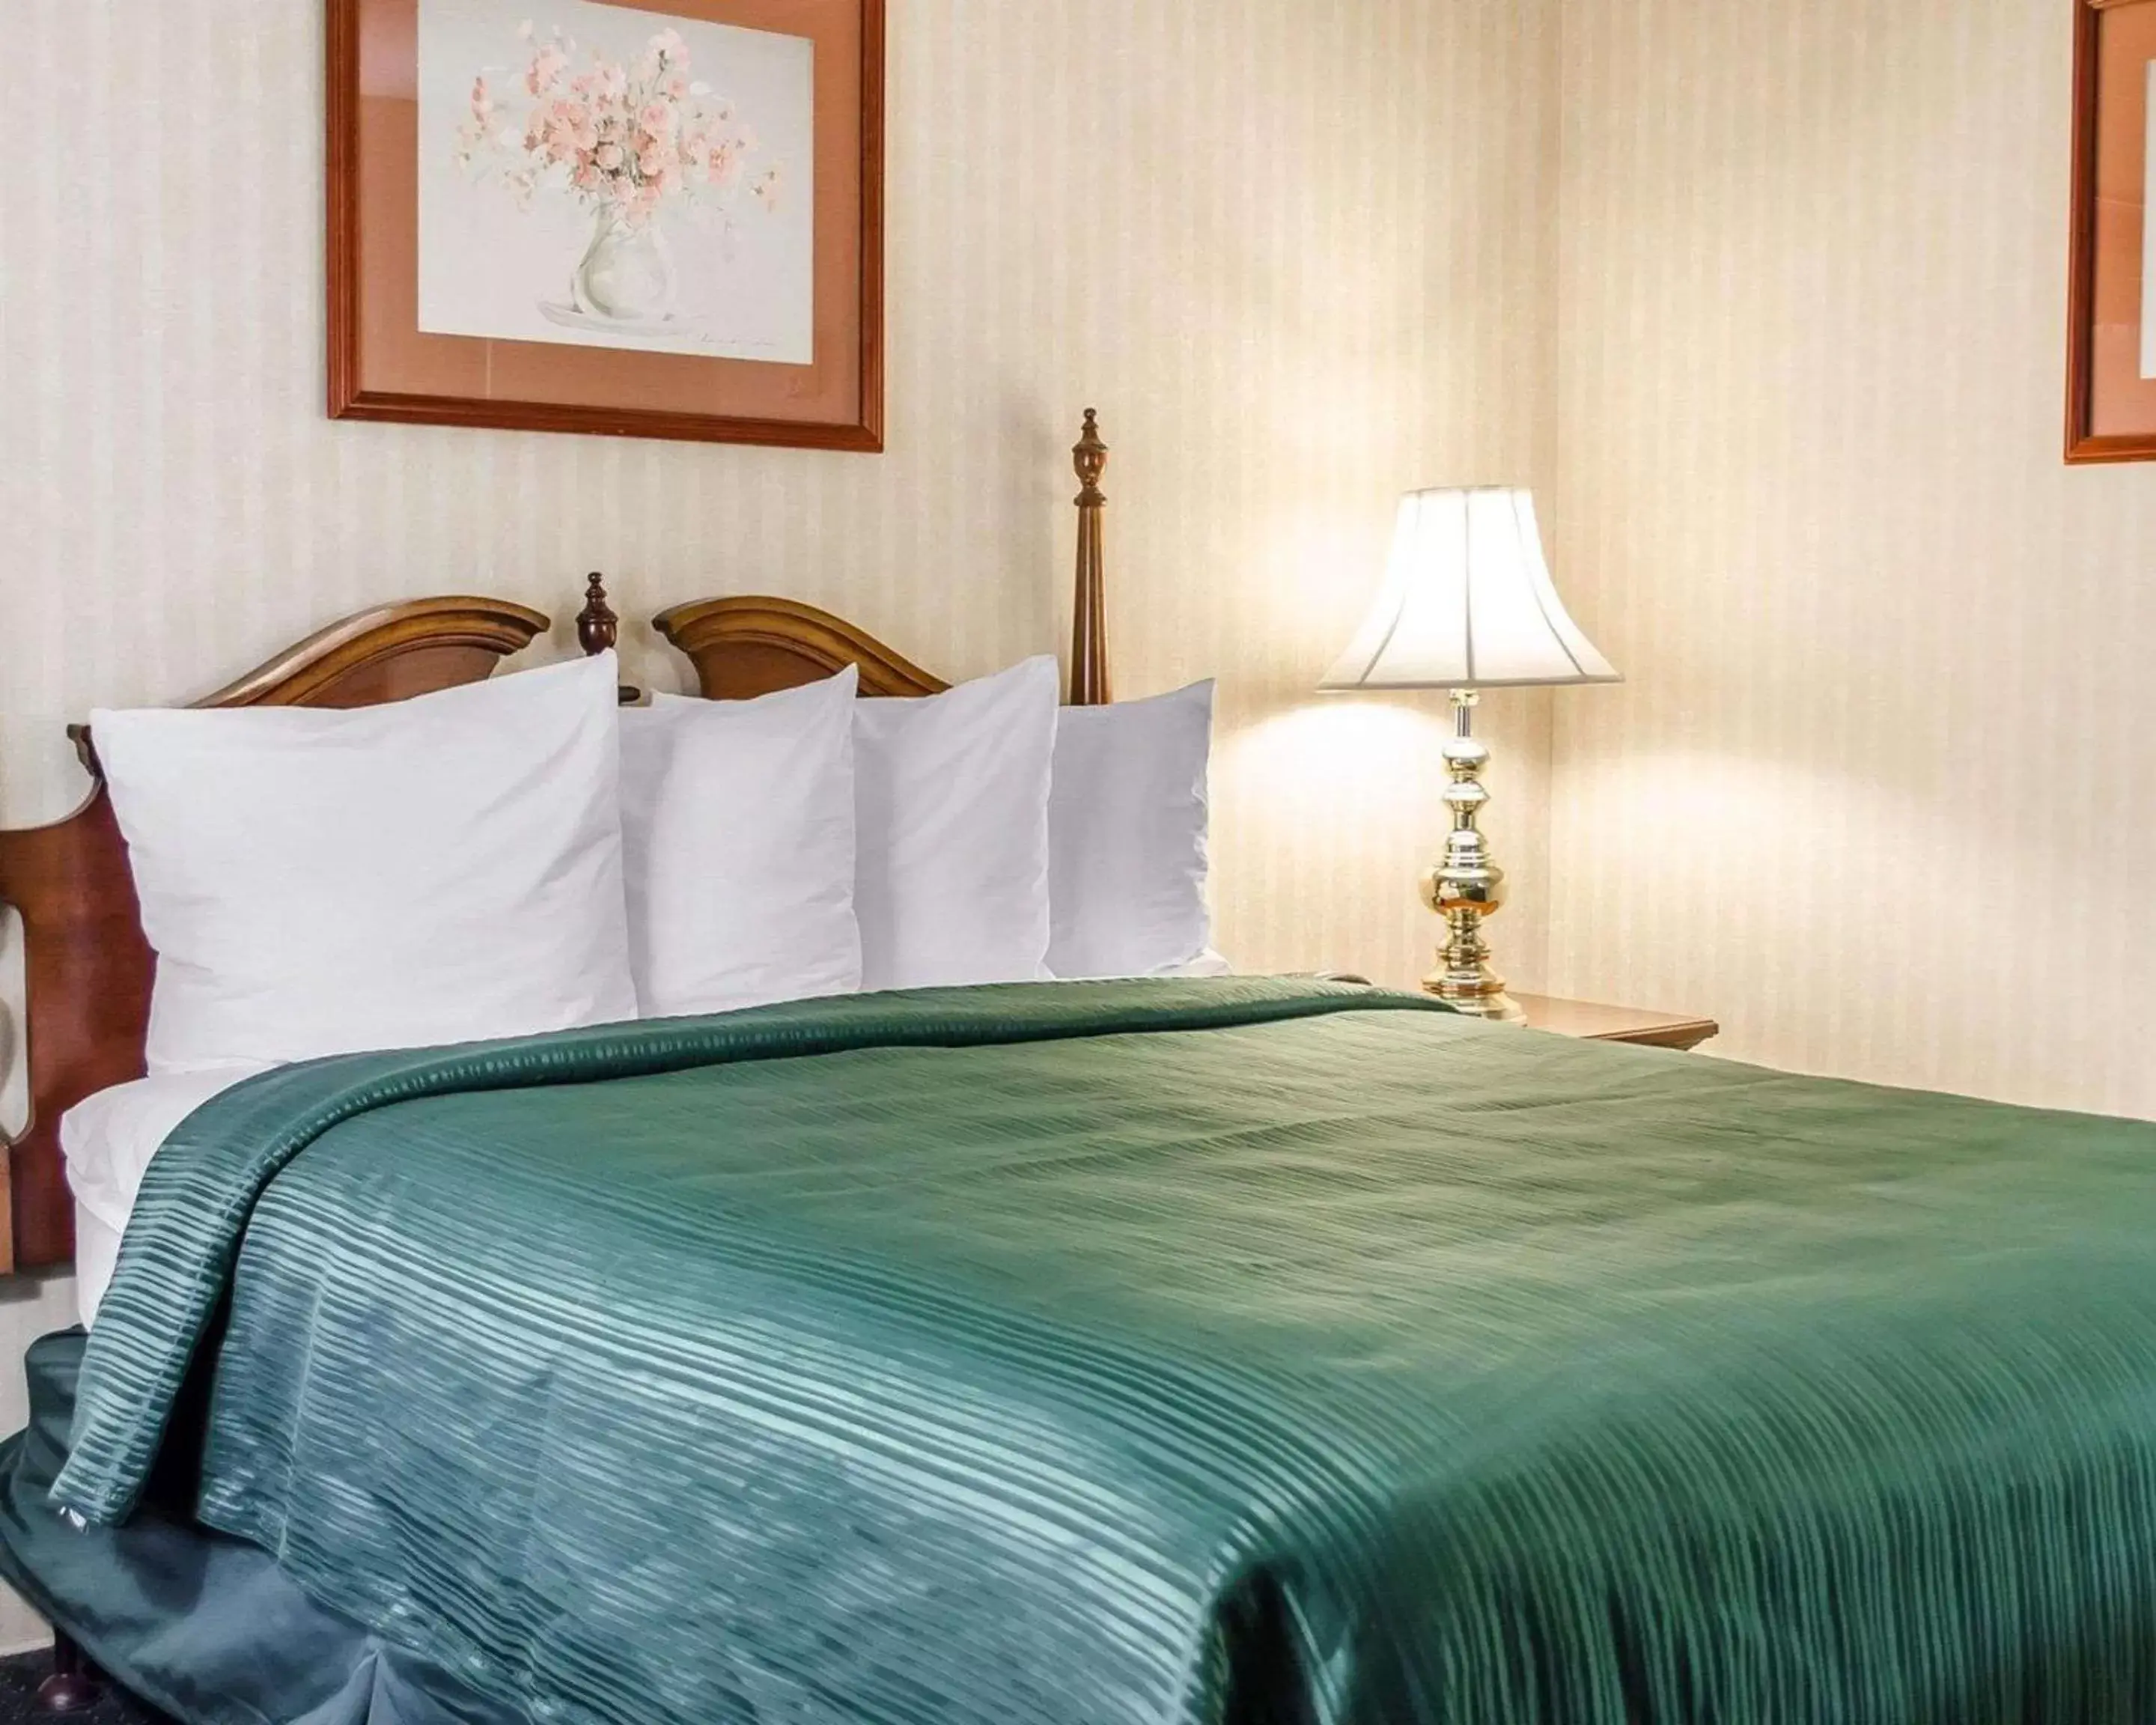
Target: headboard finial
1091, 457
85, 751
598, 627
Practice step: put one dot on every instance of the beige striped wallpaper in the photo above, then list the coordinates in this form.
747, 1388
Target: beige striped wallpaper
1882, 791
1299, 254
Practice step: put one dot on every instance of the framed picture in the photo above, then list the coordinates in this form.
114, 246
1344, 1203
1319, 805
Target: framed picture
663, 219
2110, 385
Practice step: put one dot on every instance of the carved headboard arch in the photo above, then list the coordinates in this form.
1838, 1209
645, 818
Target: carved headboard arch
743, 648
87, 966
747, 646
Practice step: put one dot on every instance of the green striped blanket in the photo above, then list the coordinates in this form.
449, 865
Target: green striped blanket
1211, 1353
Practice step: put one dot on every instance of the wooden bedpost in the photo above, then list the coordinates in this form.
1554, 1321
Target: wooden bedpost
1089, 626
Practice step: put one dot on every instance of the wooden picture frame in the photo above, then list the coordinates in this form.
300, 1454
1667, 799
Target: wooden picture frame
827, 394
2111, 367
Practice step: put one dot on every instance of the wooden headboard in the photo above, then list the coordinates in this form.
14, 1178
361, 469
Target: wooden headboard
87, 965
745, 647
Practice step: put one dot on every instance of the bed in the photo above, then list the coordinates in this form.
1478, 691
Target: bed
1221, 1351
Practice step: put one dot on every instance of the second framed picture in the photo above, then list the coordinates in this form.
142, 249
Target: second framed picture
2111, 391
659, 220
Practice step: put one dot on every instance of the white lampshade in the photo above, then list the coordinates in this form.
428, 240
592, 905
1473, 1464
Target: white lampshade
1468, 604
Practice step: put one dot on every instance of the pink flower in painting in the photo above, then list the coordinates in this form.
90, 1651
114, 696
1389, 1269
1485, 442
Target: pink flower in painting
628, 139
546, 66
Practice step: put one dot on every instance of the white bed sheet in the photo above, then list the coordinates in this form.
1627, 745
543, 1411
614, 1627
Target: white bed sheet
96, 1255
108, 1140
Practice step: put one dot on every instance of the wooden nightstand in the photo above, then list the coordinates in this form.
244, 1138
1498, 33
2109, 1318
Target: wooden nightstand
1615, 1024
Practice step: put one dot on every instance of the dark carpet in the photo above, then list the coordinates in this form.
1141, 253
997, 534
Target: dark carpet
19, 1678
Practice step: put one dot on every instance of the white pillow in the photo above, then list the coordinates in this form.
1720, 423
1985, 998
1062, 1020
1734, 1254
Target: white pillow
737, 832
952, 885
1127, 823
446, 868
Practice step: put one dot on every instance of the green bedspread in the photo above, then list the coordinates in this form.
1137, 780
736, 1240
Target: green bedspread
1122, 1354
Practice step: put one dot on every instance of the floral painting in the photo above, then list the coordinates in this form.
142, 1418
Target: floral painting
598, 175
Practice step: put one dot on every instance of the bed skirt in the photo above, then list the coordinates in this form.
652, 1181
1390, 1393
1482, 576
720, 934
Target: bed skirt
205, 1627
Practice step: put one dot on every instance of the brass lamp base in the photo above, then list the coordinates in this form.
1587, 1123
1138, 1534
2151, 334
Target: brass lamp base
1492, 1003
1466, 887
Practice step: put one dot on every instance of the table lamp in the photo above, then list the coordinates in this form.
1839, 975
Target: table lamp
1468, 604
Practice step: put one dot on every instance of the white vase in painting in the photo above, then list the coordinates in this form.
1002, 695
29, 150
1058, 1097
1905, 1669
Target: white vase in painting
628, 272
